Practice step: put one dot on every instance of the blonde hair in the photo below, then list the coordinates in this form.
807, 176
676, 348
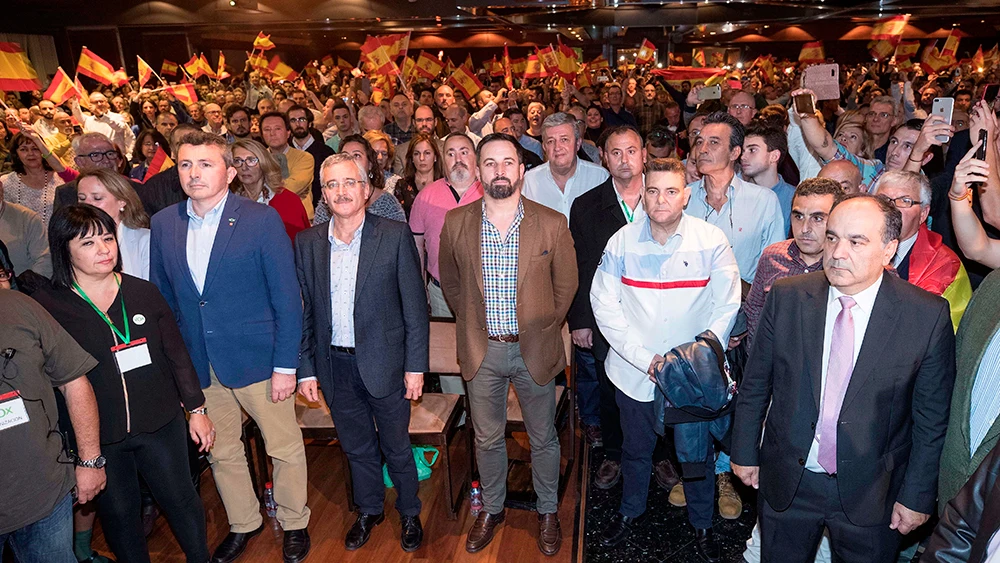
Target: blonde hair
375, 135
865, 150
269, 167
134, 215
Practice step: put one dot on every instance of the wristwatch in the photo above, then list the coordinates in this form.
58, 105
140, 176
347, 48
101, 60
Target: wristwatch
97, 463
202, 410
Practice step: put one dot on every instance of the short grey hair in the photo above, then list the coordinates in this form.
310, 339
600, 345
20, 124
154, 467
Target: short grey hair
80, 140
340, 158
912, 179
561, 118
885, 100
371, 112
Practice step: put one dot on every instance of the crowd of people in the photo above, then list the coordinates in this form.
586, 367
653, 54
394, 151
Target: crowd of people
811, 268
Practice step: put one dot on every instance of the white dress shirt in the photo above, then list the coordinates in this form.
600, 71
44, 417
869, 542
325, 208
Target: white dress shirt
133, 245
864, 301
540, 186
112, 125
344, 258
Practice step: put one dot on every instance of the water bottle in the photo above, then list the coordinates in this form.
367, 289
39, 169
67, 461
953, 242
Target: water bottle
269, 505
475, 499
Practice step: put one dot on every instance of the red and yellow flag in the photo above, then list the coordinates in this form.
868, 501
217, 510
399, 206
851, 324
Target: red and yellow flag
395, 45
119, 78
328, 61
169, 68
533, 68
881, 49
263, 42
598, 63
280, 70
890, 29
933, 61
193, 67
519, 66
160, 162
145, 71
16, 72
464, 80
584, 80
812, 52
60, 89
508, 69
221, 74
992, 57
675, 75
978, 60
207, 66
907, 50
257, 61
184, 93
548, 58
344, 65
82, 92
408, 66
567, 66
950, 48
428, 66
95, 67
468, 62
449, 67
374, 53
646, 53
698, 58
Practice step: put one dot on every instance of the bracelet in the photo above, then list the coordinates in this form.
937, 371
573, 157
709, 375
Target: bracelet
46, 155
967, 195
202, 410
911, 159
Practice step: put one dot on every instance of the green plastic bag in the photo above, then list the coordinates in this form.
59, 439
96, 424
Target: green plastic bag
420, 458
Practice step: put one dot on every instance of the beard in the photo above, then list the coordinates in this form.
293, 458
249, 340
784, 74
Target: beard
460, 172
300, 133
500, 187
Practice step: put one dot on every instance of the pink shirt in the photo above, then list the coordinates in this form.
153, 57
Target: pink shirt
428, 211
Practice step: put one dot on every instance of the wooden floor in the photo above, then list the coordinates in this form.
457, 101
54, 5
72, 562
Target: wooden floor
444, 540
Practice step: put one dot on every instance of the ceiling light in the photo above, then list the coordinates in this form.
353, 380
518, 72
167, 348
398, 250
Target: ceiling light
739, 65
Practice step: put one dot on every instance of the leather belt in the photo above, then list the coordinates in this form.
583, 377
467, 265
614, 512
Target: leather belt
505, 338
343, 349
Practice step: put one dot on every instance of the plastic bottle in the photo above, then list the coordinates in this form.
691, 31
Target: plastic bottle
269, 505
475, 499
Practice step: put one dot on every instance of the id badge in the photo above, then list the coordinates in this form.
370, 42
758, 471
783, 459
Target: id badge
131, 356
12, 411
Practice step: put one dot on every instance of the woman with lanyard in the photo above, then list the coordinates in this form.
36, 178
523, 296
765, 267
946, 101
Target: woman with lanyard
144, 377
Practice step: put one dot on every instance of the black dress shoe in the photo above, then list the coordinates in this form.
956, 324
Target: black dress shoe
413, 533
708, 548
295, 546
359, 533
618, 529
233, 546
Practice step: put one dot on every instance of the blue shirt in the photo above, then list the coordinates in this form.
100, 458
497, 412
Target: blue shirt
344, 258
785, 193
750, 219
499, 255
201, 238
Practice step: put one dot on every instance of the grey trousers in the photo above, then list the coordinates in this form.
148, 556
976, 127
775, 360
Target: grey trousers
488, 404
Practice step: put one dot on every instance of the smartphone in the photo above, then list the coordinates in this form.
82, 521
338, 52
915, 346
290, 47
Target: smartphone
981, 151
804, 104
944, 108
823, 80
710, 93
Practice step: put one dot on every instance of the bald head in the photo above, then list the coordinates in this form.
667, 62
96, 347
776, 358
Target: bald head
845, 174
505, 126
457, 118
444, 97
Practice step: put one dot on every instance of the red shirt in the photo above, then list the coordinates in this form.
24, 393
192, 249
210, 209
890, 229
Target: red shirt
292, 212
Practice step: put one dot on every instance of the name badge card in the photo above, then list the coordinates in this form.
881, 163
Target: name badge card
12, 411
131, 356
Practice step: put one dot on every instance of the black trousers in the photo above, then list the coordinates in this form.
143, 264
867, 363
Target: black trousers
611, 426
355, 414
792, 535
161, 458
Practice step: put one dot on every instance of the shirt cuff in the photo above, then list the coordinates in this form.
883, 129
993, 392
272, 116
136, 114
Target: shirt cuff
310, 378
285, 371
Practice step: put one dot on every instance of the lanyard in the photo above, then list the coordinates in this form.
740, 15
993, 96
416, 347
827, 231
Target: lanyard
127, 337
629, 214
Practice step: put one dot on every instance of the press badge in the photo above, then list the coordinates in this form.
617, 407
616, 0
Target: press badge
131, 356
12, 411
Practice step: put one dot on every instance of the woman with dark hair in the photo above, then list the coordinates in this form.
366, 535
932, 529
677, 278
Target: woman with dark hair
424, 164
381, 202
35, 178
143, 378
595, 124
143, 113
258, 178
145, 149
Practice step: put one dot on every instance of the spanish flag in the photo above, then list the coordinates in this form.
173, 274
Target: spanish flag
145, 72
119, 78
583, 80
280, 70
160, 162
263, 42
258, 62
374, 53
60, 89
82, 92
992, 57
646, 53
508, 69
933, 61
880, 49
328, 62
519, 66
567, 67
698, 58
95, 67
184, 93
193, 67
547, 56
16, 72
428, 66
598, 63
978, 60
812, 52
408, 66
169, 68
907, 50
534, 69
890, 29
342, 64
464, 79
207, 67
221, 74
396, 44
469, 63
950, 48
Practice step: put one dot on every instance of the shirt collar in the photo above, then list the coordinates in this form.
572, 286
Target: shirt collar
864, 298
646, 234
213, 214
305, 145
337, 242
904, 248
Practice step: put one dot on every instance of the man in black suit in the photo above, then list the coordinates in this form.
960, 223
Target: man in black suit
365, 337
853, 369
301, 120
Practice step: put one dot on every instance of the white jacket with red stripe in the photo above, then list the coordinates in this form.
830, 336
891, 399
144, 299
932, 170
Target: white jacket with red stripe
648, 298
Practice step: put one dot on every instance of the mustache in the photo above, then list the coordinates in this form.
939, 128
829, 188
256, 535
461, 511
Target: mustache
458, 165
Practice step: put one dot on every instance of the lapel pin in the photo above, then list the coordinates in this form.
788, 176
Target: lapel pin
232, 221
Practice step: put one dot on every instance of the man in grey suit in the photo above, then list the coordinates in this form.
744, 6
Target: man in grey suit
365, 339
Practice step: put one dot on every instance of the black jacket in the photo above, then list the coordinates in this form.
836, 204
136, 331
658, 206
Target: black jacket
895, 411
594, 217
319, 151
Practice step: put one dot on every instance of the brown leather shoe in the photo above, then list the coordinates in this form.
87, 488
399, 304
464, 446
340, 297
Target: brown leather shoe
482, 530
730, 504
608, 474
677, 497
666, 475
549, 534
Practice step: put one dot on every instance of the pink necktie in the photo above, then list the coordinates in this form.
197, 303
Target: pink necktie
838, 375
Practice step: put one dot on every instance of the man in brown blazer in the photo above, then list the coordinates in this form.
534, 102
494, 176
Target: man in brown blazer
508, 268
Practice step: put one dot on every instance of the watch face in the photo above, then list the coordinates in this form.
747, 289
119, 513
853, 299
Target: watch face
100, 462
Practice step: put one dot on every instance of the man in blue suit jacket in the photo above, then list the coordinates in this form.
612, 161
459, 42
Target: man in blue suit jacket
225, 266
365, 338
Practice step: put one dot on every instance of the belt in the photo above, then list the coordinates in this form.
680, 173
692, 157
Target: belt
343, 349
505, 338
434, 281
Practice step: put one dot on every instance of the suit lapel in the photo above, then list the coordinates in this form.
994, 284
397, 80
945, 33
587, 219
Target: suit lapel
180, 243
881, 326
474, 240
227, 224
611, 203
528, 241
321, 257
371, 236
813, 325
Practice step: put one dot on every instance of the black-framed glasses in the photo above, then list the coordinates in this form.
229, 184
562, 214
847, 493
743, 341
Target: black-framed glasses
250, 161
5, 275
297, 120
99, 156
905, 202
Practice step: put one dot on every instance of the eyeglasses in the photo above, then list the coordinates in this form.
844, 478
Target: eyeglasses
250, 161
5, 275
297, 120
905, 202
741, 107
348, 184
99, 156
657, 136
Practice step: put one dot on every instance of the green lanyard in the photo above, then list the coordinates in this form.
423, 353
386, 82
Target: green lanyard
629, 214
127, 337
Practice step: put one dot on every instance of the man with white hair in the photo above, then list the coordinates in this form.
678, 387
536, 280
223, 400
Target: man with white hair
922, 258
370, 118
215, 120
106, 122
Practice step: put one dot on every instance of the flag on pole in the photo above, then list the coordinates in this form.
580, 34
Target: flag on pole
934, 61
812, 52
221, 73
169, 68
119, 78
342, 64
193, 67
160, 162
184, 93
60, 89
409, 68
95, 67
508, 69
675, 75
207, 67
646, 52
82, 92
583, 79
518, 66
978, 60
992, 57
890, 29
698, 58
950, 48
449, 67
258, 61
327, 61
16, 72
374, 53
145, 71
464, 80
547, 57
598, 63
263, 42
395, 44
567, 66
280, 70
881, 49
533, 68
907, 50
468, 62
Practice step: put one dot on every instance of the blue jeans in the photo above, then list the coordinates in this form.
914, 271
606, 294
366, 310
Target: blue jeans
49, 540
588, 397
722, 464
